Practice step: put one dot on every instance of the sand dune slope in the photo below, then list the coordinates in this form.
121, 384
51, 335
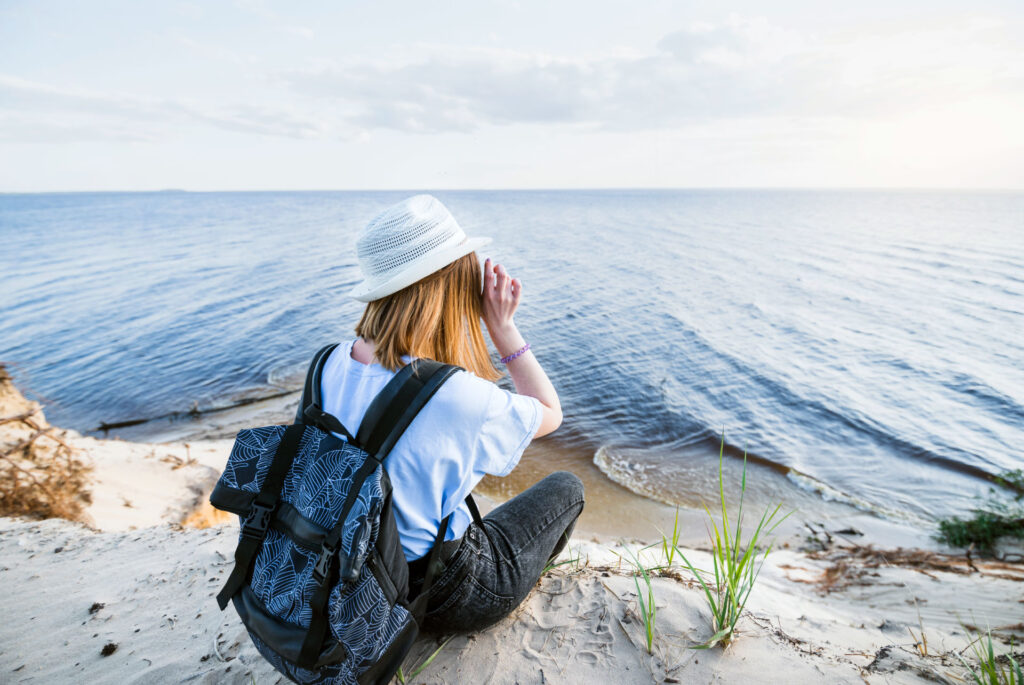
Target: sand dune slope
147, 598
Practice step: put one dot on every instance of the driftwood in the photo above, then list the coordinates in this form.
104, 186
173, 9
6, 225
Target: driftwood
193, 413
852, 565
19, 417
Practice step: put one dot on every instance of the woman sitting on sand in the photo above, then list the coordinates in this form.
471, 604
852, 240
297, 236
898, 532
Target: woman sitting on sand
422, 286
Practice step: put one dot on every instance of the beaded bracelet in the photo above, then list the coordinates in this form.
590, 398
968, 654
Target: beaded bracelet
518, 353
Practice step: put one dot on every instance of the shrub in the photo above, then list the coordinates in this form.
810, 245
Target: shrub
995, 518
40, 474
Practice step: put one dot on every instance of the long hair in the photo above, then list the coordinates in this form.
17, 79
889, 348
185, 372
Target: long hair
437, 317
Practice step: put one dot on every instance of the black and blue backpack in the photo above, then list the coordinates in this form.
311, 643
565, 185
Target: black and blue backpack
320, 579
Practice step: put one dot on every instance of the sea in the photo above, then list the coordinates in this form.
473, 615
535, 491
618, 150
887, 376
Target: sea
867, 345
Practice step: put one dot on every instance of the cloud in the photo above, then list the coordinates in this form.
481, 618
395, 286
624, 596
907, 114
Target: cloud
71, 113
300, 31
262, 10
16, 128
737, 68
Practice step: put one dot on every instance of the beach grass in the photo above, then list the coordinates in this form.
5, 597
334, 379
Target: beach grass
574, 559
736, 564
920, 641
426, 662
645, 599
670, 543
989, 669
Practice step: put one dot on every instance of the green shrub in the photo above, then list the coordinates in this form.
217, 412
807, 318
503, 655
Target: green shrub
996, 518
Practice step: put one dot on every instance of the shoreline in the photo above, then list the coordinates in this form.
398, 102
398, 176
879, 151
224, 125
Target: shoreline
612, 510
136, 579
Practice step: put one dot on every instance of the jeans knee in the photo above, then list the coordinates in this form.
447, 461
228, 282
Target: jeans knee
569, 486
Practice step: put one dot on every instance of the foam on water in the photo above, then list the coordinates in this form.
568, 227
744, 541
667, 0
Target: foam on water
830, 494
635, 476
672, 482
288, 376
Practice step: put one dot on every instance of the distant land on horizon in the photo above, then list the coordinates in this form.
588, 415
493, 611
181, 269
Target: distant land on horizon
894, 189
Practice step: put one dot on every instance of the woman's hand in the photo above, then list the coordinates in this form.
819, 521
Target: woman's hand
501, 299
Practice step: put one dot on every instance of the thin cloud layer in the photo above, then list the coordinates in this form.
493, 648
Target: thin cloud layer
216, 97
739, 68
36, 110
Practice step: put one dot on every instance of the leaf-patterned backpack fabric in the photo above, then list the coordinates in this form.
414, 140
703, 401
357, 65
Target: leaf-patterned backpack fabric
320, 579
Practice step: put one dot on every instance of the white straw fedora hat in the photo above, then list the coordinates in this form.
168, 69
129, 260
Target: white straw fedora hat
406, 242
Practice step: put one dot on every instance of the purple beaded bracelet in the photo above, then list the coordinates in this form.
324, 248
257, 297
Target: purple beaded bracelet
518, 353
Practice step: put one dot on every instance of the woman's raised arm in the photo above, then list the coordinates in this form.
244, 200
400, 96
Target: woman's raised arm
501, 298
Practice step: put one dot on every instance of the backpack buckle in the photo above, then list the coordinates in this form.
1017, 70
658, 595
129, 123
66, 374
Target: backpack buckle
256, 524
323, 563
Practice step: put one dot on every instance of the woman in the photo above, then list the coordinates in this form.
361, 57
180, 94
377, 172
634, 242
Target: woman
422, 286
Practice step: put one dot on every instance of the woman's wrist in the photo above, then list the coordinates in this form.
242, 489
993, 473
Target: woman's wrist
507, 339
506, 360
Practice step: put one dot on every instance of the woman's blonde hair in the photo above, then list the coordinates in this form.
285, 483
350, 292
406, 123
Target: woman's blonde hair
437, 317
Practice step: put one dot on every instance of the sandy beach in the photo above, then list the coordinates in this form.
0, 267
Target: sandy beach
125, 594
753, 273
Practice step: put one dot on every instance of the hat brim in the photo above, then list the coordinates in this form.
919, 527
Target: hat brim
421, 268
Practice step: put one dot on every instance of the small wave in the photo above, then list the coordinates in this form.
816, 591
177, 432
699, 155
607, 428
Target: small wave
999, 403
287, 376
632, 475
830, 494
654, 479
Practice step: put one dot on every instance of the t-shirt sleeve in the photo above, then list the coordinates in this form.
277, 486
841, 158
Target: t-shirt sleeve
508, 424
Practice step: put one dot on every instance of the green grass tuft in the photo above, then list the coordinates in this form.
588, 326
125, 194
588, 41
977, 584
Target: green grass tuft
982, 531
419, 669
645, 599
736, 564
574, 559
669, 545
990, 670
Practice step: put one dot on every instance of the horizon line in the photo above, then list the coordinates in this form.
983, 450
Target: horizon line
965, 189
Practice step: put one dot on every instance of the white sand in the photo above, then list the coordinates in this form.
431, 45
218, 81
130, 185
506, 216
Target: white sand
134, 485
140, 485
157, 585
135, 578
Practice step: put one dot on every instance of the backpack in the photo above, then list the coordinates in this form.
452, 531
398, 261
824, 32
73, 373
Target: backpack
320, 579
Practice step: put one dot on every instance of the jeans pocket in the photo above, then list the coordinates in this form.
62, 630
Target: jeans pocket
470, 607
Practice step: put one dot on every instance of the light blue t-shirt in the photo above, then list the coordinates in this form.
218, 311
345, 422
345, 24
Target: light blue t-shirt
469, 428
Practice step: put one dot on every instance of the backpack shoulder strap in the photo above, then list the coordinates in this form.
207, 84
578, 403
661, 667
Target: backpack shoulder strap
474, 510
311, 386
398, 403
310, 411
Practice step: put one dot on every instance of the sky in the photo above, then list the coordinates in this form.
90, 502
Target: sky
261, 95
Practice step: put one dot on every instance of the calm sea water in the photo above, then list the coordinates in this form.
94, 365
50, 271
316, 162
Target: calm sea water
872, 343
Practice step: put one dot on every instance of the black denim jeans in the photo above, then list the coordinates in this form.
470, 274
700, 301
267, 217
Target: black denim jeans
492, 568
